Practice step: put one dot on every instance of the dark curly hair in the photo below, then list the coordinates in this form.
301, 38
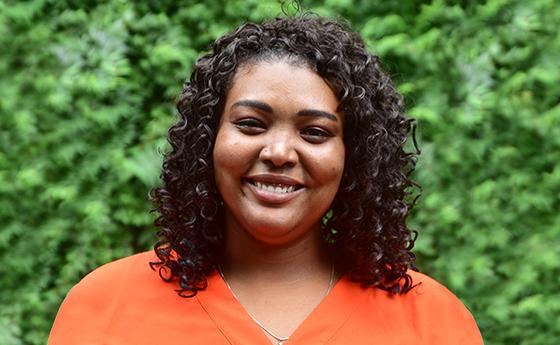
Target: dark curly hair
366, 224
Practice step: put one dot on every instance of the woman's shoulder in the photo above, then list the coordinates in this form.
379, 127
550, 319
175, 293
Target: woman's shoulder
429, 283
426, 294
442, 313
106, 299
429, 290
111, 272
126, 277
427, 314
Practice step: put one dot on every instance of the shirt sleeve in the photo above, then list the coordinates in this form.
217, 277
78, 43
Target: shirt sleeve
449, 321
85, 314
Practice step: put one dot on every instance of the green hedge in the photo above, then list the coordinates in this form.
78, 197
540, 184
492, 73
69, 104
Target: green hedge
87, 93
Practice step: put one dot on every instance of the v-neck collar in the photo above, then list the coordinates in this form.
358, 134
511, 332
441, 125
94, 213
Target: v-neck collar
321, 324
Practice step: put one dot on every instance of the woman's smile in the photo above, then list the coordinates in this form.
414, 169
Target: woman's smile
274, 189
279, 151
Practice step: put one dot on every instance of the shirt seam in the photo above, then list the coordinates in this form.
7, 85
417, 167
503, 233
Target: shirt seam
114, 301
214, 321
338, 330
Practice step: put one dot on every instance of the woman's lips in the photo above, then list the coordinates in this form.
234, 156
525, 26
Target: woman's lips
273, 193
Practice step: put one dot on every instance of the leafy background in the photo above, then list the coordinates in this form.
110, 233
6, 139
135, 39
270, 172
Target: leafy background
87, 90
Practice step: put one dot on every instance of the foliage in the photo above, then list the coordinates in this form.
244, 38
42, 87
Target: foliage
87, 92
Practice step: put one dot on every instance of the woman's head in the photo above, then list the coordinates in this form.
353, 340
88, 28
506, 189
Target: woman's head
366, 221
279, 153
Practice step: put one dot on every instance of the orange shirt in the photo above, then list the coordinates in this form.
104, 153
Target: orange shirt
125, 302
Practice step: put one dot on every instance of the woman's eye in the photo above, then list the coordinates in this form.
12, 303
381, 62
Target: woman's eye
315, 135
250, 126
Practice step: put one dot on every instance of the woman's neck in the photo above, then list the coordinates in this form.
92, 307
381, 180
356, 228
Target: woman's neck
248, 259
279, 285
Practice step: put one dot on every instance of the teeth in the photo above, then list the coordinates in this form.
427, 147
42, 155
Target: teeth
275, 188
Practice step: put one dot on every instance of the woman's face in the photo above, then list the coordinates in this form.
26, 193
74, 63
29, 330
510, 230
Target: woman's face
279, 151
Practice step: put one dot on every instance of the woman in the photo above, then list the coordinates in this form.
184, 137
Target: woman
282, 214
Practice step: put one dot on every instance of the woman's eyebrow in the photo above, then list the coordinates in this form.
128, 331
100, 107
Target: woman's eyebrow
268, 109
317, 113
253, 104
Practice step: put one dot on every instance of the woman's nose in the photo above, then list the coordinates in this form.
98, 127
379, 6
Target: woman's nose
279, 151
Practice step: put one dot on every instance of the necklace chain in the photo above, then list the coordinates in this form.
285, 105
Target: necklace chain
280, 340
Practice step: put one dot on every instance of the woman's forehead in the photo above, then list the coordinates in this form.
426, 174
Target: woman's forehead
280, 81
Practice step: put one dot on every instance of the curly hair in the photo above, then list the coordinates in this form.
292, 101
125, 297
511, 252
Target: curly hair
366, 223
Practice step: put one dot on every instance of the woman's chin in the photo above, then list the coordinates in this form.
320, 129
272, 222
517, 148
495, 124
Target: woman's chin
277, 232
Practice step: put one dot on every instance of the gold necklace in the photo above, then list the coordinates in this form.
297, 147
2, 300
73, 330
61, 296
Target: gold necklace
279, 339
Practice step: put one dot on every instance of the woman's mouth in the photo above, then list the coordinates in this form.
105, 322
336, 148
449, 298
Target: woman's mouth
273, 192
277, 188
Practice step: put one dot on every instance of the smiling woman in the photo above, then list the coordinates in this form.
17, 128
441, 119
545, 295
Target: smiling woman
282, 211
